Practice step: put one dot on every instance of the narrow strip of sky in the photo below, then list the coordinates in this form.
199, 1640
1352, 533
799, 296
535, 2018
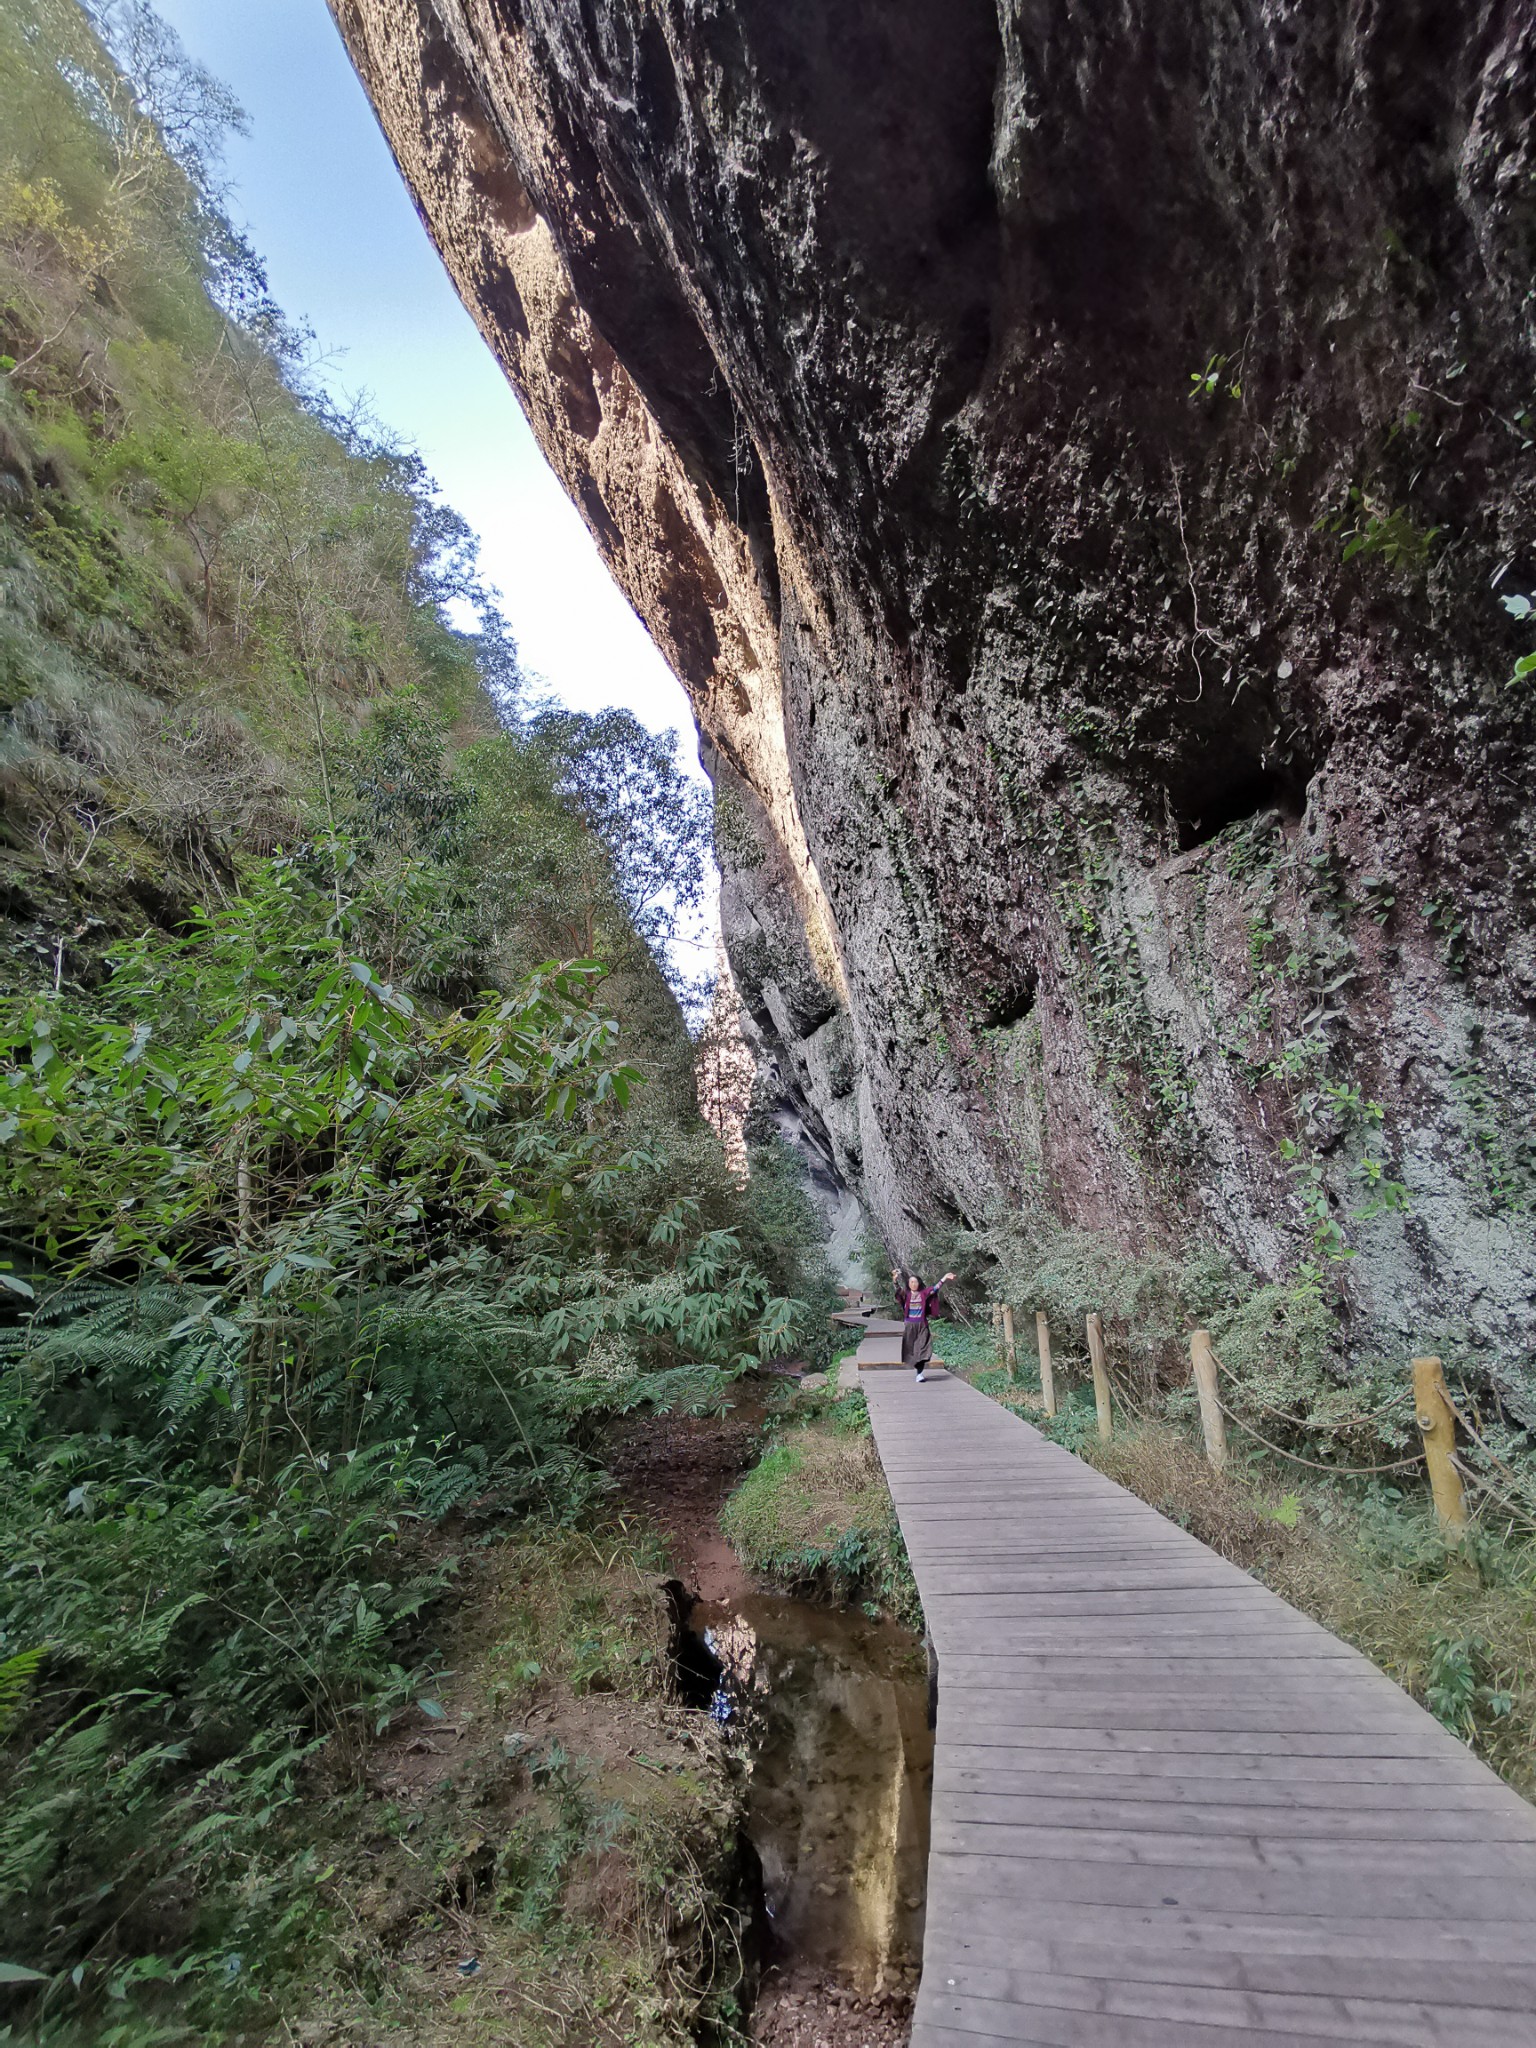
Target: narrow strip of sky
344, 249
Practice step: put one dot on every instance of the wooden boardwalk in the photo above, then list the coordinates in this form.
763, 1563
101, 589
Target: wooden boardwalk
881, 1344
1168, 1810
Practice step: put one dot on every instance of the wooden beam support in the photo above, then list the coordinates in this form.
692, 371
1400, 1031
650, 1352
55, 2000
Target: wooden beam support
1437, 1427
1203, 1359
1047, 1374
1100, 1377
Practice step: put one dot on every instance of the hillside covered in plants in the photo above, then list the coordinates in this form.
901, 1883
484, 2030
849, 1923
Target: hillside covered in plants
341, 1210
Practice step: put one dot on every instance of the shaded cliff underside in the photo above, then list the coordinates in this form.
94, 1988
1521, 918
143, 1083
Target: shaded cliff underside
1075, 460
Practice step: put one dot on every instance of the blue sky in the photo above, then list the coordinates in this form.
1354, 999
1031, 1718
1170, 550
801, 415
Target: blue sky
345, 251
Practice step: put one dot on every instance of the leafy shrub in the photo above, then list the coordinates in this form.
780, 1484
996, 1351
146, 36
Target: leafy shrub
313, 1267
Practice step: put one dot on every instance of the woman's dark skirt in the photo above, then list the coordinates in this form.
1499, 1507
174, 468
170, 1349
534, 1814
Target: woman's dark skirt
916, 1343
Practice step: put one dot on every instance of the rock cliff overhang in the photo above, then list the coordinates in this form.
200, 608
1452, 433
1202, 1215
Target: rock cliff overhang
1074, 459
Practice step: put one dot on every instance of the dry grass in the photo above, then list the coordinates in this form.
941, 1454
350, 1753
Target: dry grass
1236, 1518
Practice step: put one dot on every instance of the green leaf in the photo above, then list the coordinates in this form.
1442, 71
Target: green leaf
18, 1973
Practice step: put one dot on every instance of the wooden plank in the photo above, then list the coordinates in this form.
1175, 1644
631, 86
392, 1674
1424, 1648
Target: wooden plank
1158, 1634
1208, 1849
1017, 1539
1348, 1960
1214, 1885
1203, 1662
1094, 1576
1144, 1745
1088, 2013
1034, 2027
1169, 1811
1179, 1943
1371, 1696
1285, 1758
1261, 1784
1351, 2017
1335, 1703
1107, 1604
1050, 1807
970, 1564
1253, 1618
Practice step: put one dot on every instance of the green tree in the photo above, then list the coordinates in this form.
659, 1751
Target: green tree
631, 789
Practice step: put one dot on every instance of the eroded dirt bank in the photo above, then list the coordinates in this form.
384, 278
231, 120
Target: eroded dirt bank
827, 1711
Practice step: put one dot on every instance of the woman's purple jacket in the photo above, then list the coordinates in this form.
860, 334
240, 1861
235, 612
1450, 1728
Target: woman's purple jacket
916, 1308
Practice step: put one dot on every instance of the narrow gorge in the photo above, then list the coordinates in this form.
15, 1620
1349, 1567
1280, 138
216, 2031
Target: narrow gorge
1079, 462
492, 1552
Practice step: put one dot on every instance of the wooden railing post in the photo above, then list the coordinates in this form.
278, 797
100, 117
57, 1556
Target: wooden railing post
997, 1329
1212, 1421
1047, 1376
1100, 1377
1437, 1427
1010, 1353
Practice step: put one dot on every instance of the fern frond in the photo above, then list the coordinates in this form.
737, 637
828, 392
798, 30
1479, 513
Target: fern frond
16, 1676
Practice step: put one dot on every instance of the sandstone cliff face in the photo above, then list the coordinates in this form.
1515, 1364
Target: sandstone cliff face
1074, 458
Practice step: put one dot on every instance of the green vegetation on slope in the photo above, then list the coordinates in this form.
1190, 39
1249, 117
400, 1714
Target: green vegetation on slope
815, 1514
337, 1216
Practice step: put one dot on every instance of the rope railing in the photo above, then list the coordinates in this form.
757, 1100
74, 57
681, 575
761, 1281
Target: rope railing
1436, 1415
1315, 1464
1311, 1422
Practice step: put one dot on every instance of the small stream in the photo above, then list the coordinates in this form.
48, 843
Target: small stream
832, 1715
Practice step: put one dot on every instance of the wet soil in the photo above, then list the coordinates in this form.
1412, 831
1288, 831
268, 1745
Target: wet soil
678, 1470
831, 1707
810, 2012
